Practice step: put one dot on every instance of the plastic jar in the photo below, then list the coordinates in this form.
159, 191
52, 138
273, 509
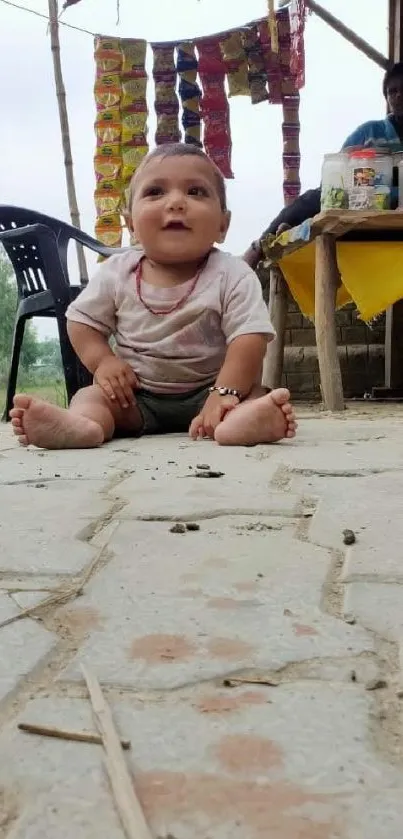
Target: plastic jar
334, 190
370, 180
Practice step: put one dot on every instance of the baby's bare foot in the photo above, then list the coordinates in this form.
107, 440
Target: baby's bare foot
49, 427
264, 420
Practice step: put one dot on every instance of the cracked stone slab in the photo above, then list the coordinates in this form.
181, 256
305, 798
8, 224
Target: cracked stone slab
24, 645
378, 607
41, 531
371, 507
295, 762
171, 609
326, 429
19, 466
337, 458
193, 497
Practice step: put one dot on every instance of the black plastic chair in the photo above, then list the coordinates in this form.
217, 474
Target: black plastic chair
38, 253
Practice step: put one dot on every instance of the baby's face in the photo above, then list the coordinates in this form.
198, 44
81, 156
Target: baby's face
176, 212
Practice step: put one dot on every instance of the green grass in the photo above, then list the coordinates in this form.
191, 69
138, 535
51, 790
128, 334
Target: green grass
52, 392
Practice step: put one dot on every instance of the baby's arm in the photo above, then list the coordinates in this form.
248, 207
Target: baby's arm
91, 346
247, 329
91, 320
243, 363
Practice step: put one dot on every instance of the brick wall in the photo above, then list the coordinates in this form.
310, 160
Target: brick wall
361, 353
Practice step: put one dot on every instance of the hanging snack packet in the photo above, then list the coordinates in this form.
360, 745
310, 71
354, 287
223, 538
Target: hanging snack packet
236, 64
107, 91
132, 155
107, 168
134, 52
107, 201
214, 105
108, 133
166, 100
257, 75
108, 230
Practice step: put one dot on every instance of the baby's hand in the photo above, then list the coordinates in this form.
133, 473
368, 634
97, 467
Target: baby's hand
213, 412
117, 380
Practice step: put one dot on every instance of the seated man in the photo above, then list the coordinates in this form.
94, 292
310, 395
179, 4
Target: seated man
376, 133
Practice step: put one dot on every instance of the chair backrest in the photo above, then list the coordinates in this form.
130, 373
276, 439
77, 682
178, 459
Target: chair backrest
13, 217
34, 254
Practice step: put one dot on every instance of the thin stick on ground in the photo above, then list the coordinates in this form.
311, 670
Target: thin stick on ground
64, 734
127, 803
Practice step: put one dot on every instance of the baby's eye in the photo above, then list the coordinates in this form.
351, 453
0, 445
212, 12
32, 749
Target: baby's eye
152, 192
198, 190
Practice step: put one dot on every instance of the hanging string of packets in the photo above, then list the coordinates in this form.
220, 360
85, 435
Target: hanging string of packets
193, 82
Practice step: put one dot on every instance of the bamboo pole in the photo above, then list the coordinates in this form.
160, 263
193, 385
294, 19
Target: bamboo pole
348, 34
65, 131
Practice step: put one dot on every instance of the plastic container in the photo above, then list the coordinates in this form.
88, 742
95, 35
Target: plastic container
334, 190
370, 180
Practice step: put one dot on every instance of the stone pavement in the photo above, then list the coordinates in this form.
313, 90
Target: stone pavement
264, 590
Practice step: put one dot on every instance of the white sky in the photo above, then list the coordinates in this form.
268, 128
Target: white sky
343, 89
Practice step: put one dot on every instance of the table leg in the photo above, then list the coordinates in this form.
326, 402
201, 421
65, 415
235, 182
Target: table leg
277, 311
327, 280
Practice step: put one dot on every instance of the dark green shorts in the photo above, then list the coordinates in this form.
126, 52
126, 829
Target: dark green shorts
169, 413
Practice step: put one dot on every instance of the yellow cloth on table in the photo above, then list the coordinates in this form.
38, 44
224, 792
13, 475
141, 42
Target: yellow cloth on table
371, 272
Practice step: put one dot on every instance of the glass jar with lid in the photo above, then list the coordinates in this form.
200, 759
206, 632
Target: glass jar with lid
370, 180
334, 189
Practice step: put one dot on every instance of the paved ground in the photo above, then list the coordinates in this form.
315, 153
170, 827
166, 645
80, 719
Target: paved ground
265, 590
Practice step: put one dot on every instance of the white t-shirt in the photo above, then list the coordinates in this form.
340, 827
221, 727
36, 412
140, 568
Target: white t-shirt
185, 349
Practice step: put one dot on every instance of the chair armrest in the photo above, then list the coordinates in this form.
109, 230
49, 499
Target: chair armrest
91, 243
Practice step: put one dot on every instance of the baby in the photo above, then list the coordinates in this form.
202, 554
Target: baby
189, 323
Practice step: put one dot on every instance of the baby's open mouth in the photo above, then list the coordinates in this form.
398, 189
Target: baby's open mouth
176, 225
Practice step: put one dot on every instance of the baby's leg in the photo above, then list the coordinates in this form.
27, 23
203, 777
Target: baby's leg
260, 419
89, 421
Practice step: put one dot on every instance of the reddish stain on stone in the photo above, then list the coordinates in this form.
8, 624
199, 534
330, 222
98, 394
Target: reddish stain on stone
303, 629
228, 805
229, 648
79, 620
155, 649
243, 753
246, 586
191, 592
223, 603
222, 703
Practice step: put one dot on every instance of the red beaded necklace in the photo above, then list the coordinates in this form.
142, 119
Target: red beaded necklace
181, 302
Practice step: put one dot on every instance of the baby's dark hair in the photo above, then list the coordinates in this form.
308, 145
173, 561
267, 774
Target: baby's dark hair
180, 150
394, 72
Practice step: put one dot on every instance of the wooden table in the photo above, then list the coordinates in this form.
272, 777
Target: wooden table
325, 229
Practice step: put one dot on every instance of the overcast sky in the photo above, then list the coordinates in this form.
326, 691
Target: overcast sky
343, 89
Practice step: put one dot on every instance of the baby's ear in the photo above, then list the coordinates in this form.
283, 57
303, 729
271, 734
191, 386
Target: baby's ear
225, 223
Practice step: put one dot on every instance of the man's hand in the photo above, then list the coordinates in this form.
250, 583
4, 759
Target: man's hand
213, 412
117, 380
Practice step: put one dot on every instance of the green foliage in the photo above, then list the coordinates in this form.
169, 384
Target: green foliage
8, 305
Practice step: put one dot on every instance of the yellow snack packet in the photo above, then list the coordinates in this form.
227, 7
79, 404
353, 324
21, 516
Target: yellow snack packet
102, 42
133, 90
134, 54
132, 157
108, 61
107, 202
107, 168
111, 237
108, 132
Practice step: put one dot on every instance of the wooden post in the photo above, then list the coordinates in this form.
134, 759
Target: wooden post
65, 130
327, 280
277, 309
347, 33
